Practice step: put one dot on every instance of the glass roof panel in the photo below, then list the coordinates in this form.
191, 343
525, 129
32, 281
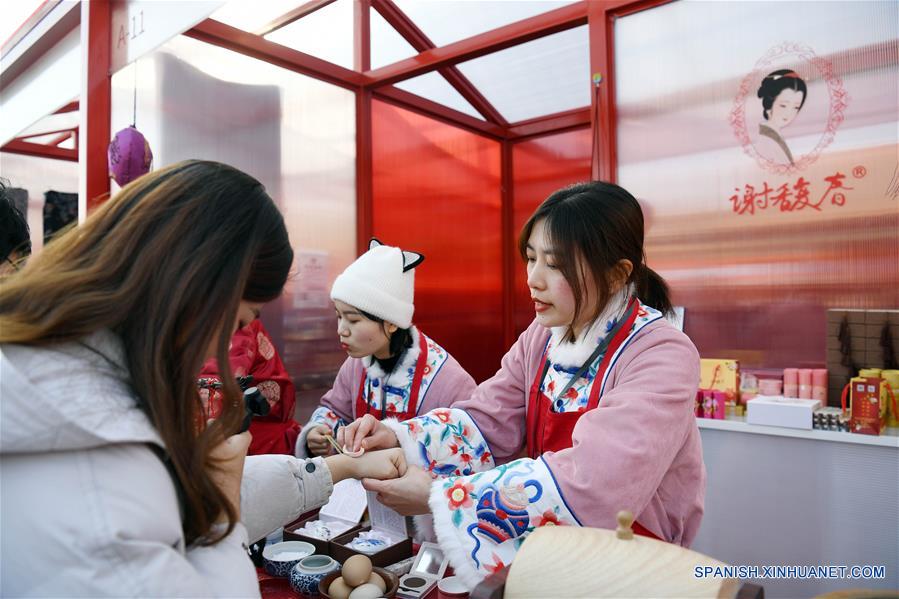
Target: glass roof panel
387, 45
437, 89
327, 34
53, 122
251, 15
449, 21
545, 76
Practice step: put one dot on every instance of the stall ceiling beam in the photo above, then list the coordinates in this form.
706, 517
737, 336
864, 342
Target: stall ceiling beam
409, 101
294, 15
18, 146
421, 42
551, 123
43, 30
70, 107
554, 21
237, 40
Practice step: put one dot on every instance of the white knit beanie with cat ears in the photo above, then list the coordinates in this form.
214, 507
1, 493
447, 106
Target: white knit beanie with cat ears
381, 282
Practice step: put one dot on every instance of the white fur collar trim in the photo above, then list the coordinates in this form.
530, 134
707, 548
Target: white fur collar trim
398, 377
574, 354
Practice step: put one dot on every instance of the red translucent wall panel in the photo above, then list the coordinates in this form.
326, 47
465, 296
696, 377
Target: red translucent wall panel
539, 167
436, 190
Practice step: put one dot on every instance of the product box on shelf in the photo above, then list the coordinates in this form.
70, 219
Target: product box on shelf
867, 401
391, 545
341, 515
781, 411
721, 375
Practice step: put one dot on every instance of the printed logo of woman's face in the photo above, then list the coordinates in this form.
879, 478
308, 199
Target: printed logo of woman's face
788, 108
785, 108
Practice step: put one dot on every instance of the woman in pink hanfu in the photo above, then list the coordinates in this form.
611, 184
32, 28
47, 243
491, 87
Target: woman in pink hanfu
597, 393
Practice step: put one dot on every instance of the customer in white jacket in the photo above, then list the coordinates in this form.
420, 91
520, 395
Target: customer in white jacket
110, 482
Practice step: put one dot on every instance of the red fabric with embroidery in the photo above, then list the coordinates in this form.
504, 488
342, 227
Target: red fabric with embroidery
252, 352
552, 431
364, 407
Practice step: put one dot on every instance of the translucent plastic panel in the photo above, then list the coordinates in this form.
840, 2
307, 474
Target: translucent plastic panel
293, 133
326, 33
387, 45
436, 190
251, 15
53, 122
437, 89
767, 167
449, 21
539, 167
545, 76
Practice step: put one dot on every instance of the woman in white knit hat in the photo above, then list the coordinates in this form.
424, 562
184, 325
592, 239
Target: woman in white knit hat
393, 369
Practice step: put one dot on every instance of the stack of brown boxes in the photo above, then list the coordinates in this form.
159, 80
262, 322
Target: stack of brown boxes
865, 328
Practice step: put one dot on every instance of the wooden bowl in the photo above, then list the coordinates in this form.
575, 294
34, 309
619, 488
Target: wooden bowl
392, 580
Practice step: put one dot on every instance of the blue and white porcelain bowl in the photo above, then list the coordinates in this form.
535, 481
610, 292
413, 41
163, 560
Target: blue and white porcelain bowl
305, 576
280, 558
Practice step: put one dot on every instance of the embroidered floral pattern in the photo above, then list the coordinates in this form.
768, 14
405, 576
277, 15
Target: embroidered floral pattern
266, 350
578, 396
548, 518
396, 398
449, 444
459, 494
323, 415
490, 513
271, 391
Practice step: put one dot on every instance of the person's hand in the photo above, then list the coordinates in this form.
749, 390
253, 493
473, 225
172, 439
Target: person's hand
366, 433
388, 463
407, 495
226, 468
316, 441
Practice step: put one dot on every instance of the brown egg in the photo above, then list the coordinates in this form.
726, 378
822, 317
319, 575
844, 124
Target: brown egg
356, 570
376, 579
339, 589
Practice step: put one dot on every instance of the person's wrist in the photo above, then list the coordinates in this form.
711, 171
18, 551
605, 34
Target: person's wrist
341, 467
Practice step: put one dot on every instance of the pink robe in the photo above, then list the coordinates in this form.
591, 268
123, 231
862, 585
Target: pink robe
443, 384
639, 450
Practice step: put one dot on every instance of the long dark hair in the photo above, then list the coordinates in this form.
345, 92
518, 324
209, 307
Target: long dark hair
597, 224
164, 265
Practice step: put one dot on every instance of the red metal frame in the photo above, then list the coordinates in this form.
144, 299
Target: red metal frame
501, 38
362, 62
18, 146
97, 100
290, 17
242, 42
70, 107
421, 42
549, 124
440, 112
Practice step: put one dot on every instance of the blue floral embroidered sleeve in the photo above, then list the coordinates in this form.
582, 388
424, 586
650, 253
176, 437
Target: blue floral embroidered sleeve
482, 519
445, 441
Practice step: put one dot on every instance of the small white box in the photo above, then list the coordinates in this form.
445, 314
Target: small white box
780, 411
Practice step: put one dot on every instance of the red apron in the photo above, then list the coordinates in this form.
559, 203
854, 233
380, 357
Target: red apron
551, 431
363, 407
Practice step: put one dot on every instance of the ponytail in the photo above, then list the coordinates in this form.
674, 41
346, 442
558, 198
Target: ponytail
652, 289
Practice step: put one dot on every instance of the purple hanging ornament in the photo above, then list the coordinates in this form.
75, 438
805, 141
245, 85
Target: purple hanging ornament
129, 156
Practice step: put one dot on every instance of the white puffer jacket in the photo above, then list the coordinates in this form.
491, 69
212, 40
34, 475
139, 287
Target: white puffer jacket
87, 508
